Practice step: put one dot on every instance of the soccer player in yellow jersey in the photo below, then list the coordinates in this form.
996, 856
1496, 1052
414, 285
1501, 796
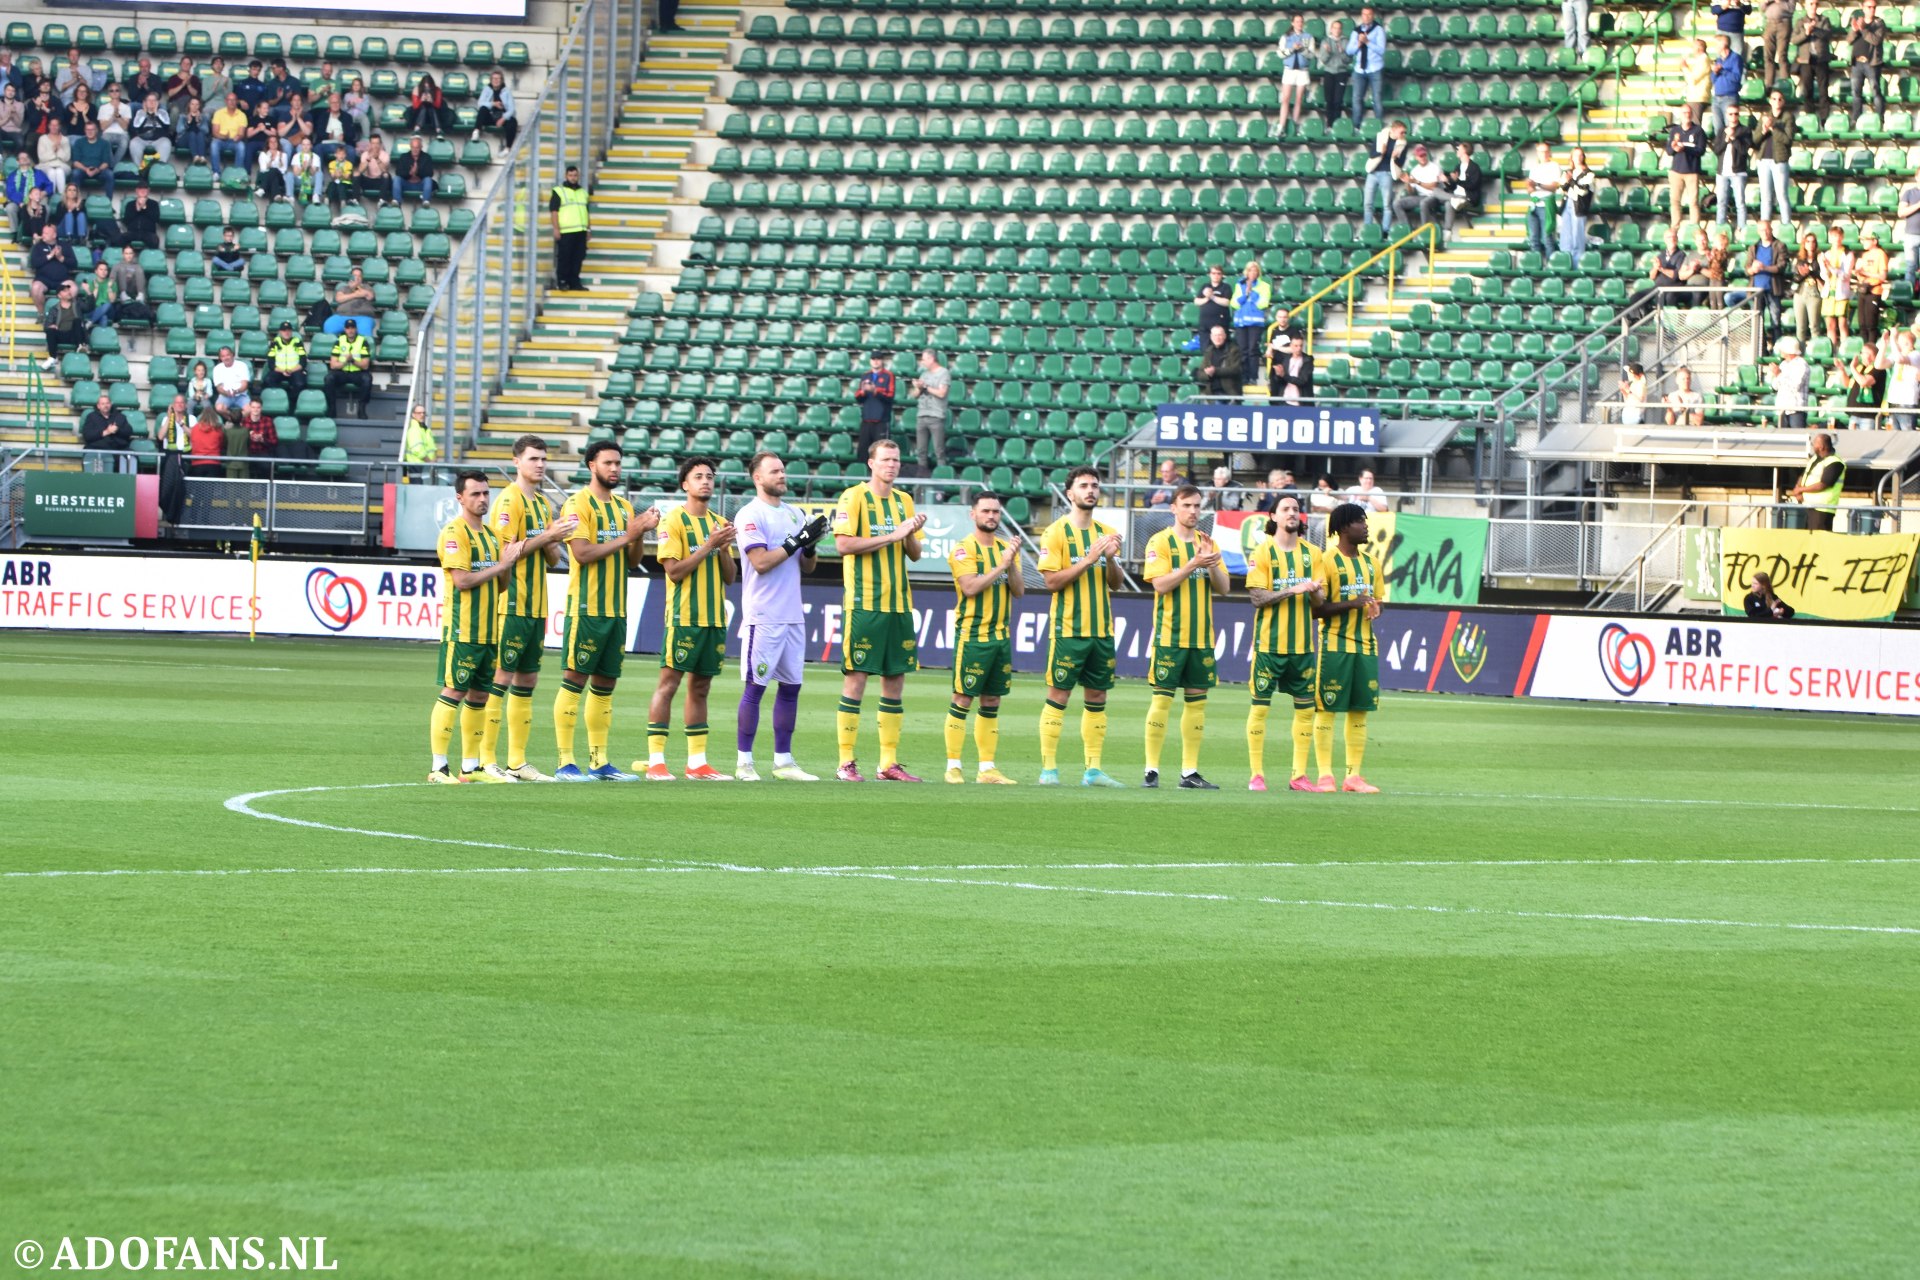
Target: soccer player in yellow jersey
1348, 675
1283, 582
1080, 565
1184, 568
474, 560
696, 554
986, 573
604, 545
521, 514
876, 532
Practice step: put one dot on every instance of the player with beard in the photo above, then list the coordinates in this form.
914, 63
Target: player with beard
1283, 581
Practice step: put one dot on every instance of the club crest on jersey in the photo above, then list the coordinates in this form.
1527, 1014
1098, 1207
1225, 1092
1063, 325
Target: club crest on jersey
760, 669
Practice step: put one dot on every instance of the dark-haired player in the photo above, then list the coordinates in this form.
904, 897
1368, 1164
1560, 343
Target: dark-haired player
473, 560
986, 576
696, 554
1348, 675
1080, 565
876, 531
1283, 582
1184, 569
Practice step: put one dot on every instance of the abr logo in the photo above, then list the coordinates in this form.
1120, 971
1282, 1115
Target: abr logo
336, 602
1626, 659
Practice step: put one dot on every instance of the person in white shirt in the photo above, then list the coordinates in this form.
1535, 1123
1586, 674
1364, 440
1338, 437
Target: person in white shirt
232, 384
1685, 406
1633, 395
116, 120
1368, 494
1902, 363
1425, 196
776, 541
1545, 177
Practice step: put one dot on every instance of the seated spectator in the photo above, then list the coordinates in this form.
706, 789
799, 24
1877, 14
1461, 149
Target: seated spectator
64, 321
71, 218
140, 218
336, 180
192, 131
33, 217
1169, 481
182, 87
100, 295
1368, 494
349, 370
354, 296
92, 160
229, 127
260, 127
304, 174
50, 263
287, 362
13, 117
1324, 498
56, 155
83, 109
375, 171
130, 289
209, 442
116, 120
1469, 183
1290, 376
227, 257
215, 83
359, 106
496, 112
105, 430
427, 109
1223, 494
1684, 404
152, 133
1791, 380
1633, 395
174, 431
270, 170
1763, 605
1668, 271
41, 107
200, 391
143, 81
1218, 369
296, 124
232, 384
413, 171
263, 442
250, 89
1424, 198
1278, 485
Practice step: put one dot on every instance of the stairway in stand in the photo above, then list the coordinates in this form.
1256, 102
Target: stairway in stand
29, 348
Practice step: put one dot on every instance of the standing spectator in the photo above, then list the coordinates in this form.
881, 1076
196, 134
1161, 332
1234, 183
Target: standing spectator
496, 112
287, 362
874, 393
1766, 272
1696, 79
1218, 371
1791, 380
1425, 198
1866, 47
63, 320
419, 446
1902, 367
140, 218
1821, 484
1252, 297
1223, 494
129, 288
1728, 71
1735, 145
1389, 151
1335, 65
50, 263
1633, 395
208, 441
1773, 142
1668, 272
428, 108
1808, 302
568, 207
1730, 20
932, 390
1870, 271
1836, 285
1684, 404
1545, 178
349, 369
1573, 26
1290, 376
1762, 605
105, 435
1708, 272
229, 136
192, 131
1686, 143
1368, 494
263, 442
152, 133
174, 431
1577, 205
232, 384
1296, 72
1865, 385
414, 172
56, 155
93, 160
1215, 303
1775, 37
1367, 46
1908, 212
13, 118
334, 130
1169, 477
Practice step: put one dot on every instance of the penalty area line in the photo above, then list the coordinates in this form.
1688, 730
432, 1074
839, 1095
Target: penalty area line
346, 871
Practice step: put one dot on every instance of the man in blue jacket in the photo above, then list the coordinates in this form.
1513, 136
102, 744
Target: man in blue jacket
1728, 70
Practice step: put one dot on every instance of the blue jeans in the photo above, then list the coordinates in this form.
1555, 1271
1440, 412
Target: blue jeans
233, 149
1573, 25
1730, 192
1774, 189
401, 187
194, 142
1382, 181
1540, 226
1573, 232
1359, 85
1722, 105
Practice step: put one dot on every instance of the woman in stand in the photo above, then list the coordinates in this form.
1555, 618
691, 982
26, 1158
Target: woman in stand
428, 112
1576, 204
496, 111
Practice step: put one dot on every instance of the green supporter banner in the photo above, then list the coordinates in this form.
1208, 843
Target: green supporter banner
77, 504
1429, 559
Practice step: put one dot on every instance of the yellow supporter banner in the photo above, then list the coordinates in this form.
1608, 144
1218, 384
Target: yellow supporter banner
1855, 578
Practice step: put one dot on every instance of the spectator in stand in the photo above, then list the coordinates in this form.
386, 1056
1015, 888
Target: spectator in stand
414, 172
1766, 272
1297, 50
1384, 159
1866, 48
180, 88
350, 370
1728, 71
333, 129
208, 440
1804, 274
1573, 26
1773, 142
192, 131
287, 362
1696, 79
71, 218
1252, 299
1686, 143
874, 393
105, 434
358, 104
129, 287
1908, 213
78, 113
1820, 484
174, 431
1215, 303
1368, 494
42, 107
262, 441
1865, 383
200, 390
93, 160
1775, 38
228, 258
375, 170
215, 83
1290, 375
230, 124
1279, 485
354, 297
1791, 381
32, 217
140, 218
20, 185
305, 176
280, 91
428, 110
1669, 271
74, 75
63, 319
1709, 274
1324, 498
98, 297
418, 446
1545, 178
1762, 605
143, 81
1633, 395
1284, 323
260, 127
669, 12
1170, 481
232, 384
932, 407
1335, 66
1425, 198
1218, 371
337, 180
13, 118
1223, 494
56, 155
1685, 406
1870, 274
1836, 285
270, 170
297, 124
496, 112
1902, 368
50, 263
1730, 20
1576, 206
152, 133
1367, 46
1469, 182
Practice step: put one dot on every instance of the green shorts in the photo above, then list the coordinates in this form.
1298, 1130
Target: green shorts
699, 651
523, 641
1086, 661
465, 667
1347, 682
982, 668
1181, 667
594, 646
1283, 673
880, 644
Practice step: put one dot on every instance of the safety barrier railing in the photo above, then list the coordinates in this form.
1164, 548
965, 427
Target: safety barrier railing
39, 416
1390, 255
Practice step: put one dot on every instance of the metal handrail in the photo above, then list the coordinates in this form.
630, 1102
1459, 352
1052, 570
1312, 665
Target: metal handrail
1637, 569
1353, 273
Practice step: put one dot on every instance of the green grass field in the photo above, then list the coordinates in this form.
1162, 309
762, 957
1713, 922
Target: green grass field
1588, 991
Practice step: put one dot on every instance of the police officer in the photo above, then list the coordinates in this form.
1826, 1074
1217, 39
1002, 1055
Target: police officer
1821, 484
349, 368
568, 207
287, 361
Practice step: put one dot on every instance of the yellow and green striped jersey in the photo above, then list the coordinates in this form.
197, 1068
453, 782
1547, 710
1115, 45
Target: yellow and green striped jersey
700, 598
516, 516
599, 590
469, 616
1286, 627
1346, 577
1182, 617
1083, 609
877, 580
985, 616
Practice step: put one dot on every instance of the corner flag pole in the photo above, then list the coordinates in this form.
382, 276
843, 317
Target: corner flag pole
253, 601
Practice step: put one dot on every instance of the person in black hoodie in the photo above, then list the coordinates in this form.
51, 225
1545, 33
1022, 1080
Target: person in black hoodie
1218, 370
105, 430
140, 219
1730, 183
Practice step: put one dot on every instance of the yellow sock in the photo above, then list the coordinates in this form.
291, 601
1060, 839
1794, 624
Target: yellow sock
1302, 740
519, 725
891, 714
849, 727
566, 713
440, 728
657, 735
696, 745
1193, 726
490, 736
956, 732
986, 735
1053, 718
1323, 741
1356, 741
1159, 711
1093, 732
1257, 738
473, 727
599, 718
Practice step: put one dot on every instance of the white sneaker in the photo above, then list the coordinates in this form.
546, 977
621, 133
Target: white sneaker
793, 773
747, 773
498, 774
527, 773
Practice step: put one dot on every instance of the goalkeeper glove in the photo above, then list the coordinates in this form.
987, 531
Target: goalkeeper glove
803, 540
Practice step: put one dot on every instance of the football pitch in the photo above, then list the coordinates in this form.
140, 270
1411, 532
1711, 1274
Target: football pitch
1587, 991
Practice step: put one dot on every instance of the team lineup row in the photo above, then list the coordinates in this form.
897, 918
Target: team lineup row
1313, 625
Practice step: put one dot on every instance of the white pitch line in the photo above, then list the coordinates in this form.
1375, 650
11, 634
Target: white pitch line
1387, 862
348, 871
